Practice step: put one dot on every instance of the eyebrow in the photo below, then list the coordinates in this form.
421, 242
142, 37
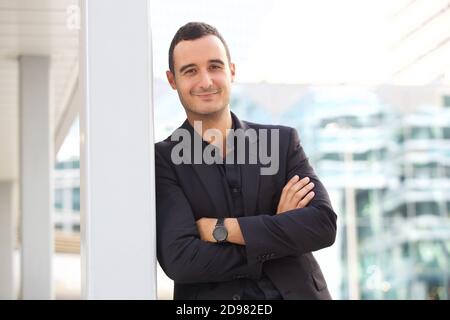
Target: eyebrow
183, 68
186, 66
217, 61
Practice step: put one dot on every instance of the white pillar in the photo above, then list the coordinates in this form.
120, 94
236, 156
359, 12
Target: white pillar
118, 245
36, 152
7, 241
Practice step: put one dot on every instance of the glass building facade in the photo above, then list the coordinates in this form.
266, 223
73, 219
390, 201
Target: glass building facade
385, 160
67, 196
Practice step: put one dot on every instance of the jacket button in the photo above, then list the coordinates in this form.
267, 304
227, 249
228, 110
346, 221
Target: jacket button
236, 297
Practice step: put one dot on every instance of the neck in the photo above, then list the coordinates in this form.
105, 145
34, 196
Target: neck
220, 120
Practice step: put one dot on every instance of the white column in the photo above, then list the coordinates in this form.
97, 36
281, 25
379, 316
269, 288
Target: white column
7, 241
36, 152
118, 245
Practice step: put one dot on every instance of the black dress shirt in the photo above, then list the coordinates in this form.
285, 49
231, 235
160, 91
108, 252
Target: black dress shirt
262, 289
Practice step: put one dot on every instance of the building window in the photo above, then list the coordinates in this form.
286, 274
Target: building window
59, 198
363, 203
364, 156
446, 133
447, 171
446, 101
428, 170
76, 199
71, 164
427, 208
400, 211
418, 133
400, 136
365, 231
332, 156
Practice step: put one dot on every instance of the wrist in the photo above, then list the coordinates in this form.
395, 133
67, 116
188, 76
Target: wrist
220, 232
212, 226
232, 226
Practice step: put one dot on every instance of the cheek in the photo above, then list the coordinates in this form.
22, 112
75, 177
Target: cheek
185, 90
225, 81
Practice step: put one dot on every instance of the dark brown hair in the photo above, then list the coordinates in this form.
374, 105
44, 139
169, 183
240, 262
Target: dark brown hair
193, 31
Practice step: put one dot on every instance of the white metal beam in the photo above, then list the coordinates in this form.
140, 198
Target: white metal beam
7, 239
118, 245
36, 155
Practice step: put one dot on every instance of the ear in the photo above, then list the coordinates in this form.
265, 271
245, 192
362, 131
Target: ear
233, 71
171, 79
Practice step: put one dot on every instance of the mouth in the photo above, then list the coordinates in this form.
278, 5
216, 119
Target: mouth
208, 94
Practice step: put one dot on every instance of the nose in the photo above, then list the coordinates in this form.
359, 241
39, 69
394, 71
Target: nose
205, 80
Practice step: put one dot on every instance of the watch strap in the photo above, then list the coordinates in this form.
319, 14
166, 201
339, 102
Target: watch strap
220, 222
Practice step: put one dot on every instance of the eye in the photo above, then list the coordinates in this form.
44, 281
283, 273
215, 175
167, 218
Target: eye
215, 67
189, 72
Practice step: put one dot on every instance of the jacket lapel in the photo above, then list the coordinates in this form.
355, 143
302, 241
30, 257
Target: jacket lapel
212, 181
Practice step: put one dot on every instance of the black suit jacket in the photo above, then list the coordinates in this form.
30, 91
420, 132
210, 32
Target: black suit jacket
279, 244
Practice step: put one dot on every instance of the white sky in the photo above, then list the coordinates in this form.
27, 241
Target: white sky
301, 41
71, 145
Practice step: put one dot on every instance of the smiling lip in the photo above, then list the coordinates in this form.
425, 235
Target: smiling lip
206, 94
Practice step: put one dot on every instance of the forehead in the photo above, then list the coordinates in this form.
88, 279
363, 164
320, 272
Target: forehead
199, 51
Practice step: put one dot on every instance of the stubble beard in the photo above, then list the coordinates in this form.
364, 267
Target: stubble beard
198, 114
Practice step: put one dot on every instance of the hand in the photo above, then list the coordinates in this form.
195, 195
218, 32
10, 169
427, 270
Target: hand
296, 194
205, 228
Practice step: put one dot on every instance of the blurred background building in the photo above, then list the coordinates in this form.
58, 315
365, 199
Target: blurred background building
367, 85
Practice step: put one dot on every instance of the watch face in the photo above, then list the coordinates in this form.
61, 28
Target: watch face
220, 233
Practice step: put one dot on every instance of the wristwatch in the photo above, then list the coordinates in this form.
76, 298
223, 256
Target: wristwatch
220, 233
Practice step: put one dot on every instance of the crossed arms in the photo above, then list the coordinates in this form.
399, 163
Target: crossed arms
297, 228
296, 194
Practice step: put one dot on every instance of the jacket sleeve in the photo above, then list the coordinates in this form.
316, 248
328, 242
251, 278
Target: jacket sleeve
183, 256
297, 231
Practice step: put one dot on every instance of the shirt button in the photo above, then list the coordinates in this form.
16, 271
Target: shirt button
236, 297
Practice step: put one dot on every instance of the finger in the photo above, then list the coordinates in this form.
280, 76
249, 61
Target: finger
300, 194
291, 182
306, 200
296, 187
288, 186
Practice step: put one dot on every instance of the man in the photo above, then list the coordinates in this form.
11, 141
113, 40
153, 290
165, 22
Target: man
224, 229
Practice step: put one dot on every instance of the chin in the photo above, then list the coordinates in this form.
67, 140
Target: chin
204, 111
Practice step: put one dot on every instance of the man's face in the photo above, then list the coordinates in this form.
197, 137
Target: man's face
203, 75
